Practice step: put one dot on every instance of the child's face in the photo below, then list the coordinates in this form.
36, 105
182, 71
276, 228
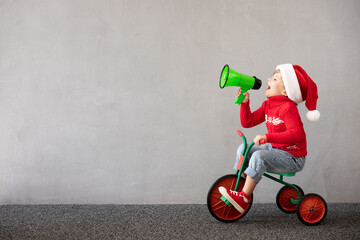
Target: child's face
275, 86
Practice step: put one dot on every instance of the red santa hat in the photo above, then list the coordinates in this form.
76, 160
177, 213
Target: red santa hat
300, 87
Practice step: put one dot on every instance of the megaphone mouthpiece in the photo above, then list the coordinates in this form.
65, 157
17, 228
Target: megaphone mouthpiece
257, 84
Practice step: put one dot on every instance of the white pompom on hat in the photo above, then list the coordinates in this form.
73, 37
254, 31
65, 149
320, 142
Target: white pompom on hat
300, 87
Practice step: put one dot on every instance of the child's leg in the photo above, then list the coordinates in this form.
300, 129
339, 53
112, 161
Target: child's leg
272, 161
249, 186
252, 150
261, 161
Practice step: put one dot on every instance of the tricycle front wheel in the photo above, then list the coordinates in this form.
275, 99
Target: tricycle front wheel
219, 209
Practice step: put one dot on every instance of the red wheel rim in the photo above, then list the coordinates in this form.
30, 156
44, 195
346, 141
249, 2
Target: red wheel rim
220, 208
312, 209
284, 199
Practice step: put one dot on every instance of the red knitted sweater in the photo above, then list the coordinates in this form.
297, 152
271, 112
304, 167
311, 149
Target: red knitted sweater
286, 131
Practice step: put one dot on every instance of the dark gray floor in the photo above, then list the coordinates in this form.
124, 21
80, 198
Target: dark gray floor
264, 221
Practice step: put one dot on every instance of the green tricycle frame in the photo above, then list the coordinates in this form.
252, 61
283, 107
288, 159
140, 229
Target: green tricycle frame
311, 209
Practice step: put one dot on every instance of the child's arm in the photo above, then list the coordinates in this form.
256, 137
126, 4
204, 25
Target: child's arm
250, 119
247, 118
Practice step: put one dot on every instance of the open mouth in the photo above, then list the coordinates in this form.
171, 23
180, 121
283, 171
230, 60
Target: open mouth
268, 87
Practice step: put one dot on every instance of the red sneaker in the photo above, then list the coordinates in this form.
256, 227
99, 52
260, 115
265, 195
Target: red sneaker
238, 199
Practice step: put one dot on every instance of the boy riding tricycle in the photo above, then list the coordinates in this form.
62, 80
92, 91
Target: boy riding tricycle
281, 151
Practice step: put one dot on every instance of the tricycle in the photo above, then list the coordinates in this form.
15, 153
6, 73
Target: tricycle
311, 209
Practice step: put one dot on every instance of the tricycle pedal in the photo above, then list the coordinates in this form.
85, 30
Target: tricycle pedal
225, 201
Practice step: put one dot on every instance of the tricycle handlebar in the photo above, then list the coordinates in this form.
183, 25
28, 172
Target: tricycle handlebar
240, 133
263, 141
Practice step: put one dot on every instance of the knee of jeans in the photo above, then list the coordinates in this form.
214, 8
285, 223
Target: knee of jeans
256, 160
259, 154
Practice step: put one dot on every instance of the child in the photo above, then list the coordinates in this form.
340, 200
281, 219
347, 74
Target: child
286, 150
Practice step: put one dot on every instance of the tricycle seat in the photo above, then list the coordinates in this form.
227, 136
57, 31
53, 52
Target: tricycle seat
284, 174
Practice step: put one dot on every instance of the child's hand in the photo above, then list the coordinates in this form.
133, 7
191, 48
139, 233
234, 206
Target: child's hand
258, 138
246, 94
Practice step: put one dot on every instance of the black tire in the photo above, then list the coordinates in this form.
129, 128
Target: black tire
217, 207
311, 209
283, 198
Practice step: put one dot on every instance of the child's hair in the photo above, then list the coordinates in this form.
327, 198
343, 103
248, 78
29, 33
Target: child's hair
276, 71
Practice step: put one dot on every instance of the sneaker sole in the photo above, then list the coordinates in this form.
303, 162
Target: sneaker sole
223, 192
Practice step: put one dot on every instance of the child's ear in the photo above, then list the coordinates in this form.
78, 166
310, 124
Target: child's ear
284, 93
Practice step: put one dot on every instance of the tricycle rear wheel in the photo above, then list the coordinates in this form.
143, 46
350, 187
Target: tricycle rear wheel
311, 209
283, 198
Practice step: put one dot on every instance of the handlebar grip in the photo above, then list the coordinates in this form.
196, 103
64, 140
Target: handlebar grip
263, 141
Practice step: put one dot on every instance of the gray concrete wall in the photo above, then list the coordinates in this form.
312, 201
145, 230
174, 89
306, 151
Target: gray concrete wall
118, 101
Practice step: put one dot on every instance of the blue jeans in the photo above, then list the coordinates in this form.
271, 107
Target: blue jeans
266, 158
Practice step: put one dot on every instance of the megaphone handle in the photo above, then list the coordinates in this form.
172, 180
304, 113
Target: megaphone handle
240, 98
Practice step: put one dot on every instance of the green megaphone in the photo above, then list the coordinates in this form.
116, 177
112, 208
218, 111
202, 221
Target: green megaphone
231, 78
